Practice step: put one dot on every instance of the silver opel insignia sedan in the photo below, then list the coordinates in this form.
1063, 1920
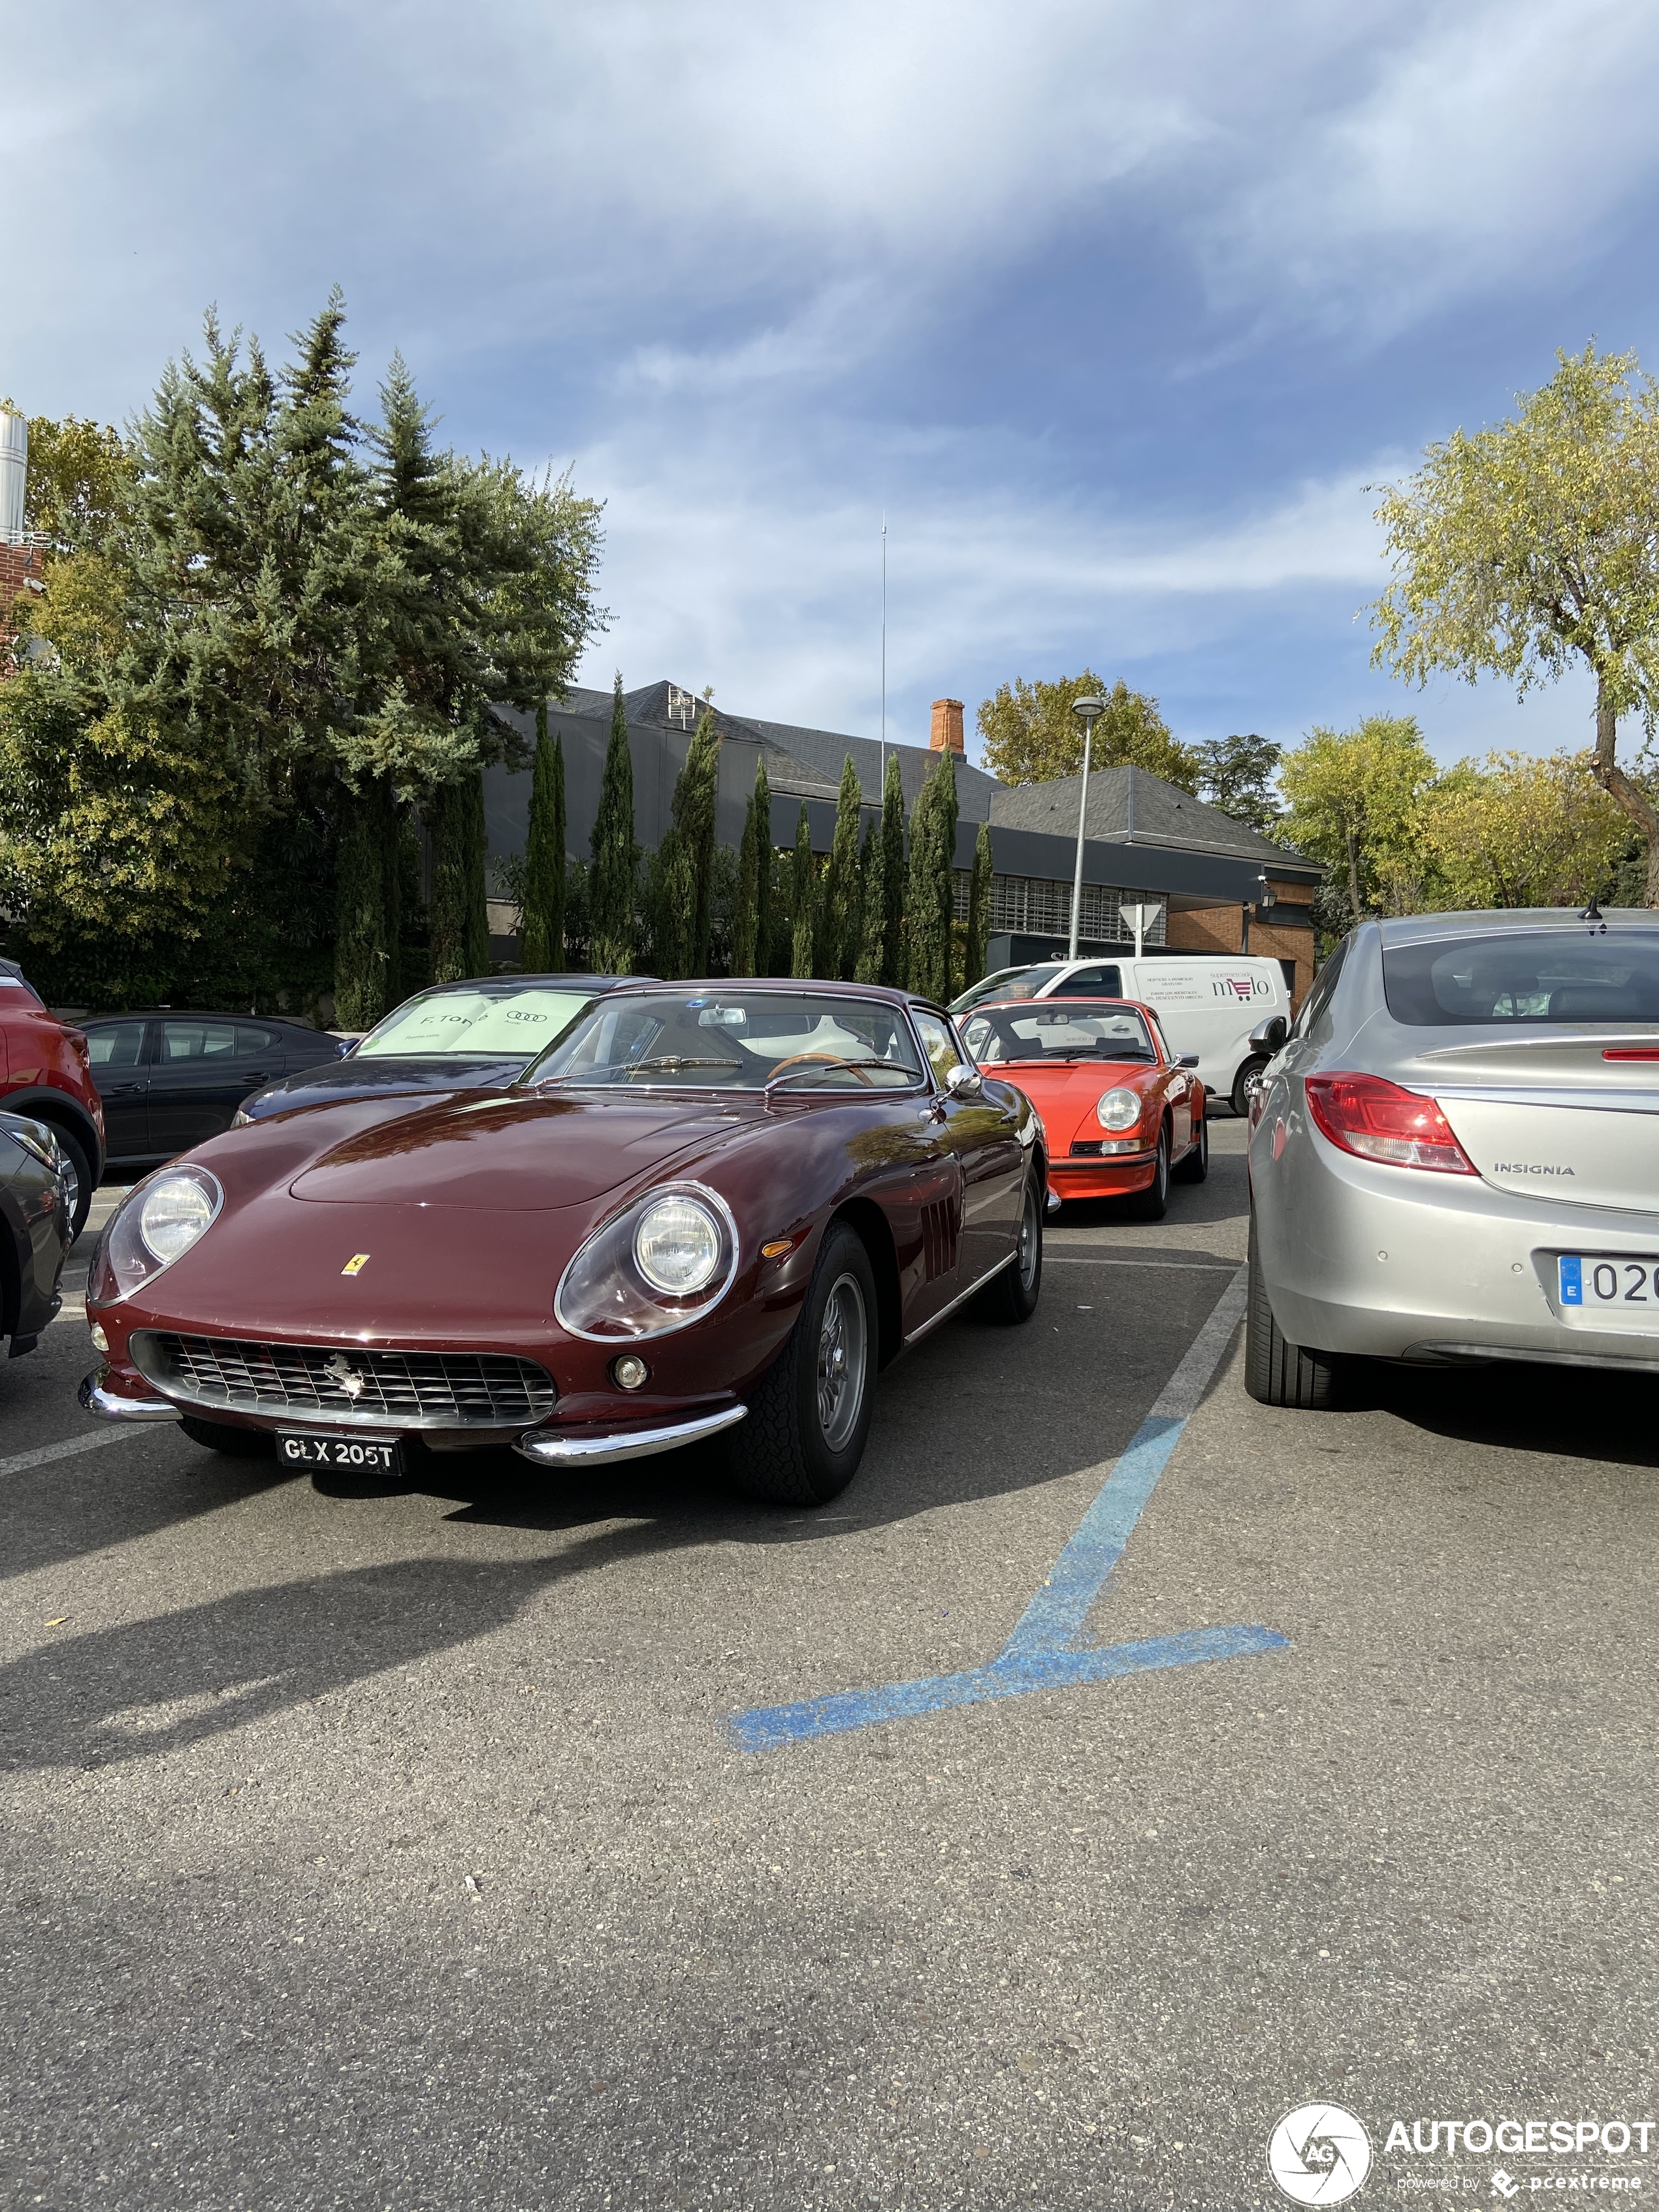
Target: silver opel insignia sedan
1456, 1154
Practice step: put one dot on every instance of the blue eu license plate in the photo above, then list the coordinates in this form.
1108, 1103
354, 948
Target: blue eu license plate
1615, 1289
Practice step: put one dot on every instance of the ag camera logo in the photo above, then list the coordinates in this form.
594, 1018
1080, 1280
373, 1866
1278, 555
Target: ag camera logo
1319, 2154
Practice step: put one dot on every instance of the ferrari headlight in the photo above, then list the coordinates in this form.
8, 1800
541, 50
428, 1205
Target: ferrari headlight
678, 1246
659, 1264
1118, 1110
159, 1224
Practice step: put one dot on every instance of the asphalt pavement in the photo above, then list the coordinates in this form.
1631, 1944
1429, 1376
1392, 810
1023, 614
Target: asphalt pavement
369, 1849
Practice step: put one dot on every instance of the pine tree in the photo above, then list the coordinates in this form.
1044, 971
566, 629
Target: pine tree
361, 949
541, 944
872, 910
803, 898
892, 874
614, 852
979, 908
931, 892
839, 929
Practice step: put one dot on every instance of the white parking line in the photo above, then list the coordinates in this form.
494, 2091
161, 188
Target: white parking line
39, 1458
1206, 1266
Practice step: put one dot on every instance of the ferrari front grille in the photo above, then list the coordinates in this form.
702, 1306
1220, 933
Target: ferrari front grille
350, 1383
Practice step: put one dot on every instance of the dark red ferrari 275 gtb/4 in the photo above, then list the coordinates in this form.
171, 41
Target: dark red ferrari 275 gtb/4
707, 1206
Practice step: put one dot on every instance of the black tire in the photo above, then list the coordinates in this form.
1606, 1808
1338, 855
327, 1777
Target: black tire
1276, 1371
1012, 1297
1153, 1203
791, 1451
1240, 1103
80, 1169
1196, 1165
221, 1437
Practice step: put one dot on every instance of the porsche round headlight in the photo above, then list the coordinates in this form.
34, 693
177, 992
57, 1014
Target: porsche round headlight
1118, 1110
677, 1246
177, 1210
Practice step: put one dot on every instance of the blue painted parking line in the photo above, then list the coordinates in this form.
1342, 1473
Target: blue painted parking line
1047, 1649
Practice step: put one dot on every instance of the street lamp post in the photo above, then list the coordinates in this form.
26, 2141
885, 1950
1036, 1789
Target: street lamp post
1088, 711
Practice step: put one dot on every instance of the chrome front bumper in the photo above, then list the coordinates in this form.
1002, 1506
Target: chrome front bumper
545, 1450
94, 1398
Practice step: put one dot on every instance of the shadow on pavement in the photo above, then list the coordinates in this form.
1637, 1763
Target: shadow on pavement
1570, 1412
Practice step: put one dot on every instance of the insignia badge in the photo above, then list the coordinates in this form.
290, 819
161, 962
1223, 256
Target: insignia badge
340, 1370
356, 1264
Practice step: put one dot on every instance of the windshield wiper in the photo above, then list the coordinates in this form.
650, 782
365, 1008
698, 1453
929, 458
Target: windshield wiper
829, 1066
674, 1060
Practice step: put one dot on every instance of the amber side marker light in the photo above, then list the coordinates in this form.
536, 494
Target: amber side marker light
779, 1245
1631, 1052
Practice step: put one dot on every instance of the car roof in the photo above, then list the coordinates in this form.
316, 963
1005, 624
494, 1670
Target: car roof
197, 1014
501, 985
1049, 1005
1413, 928
811, 985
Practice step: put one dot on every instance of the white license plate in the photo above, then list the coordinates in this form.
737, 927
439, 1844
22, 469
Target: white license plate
360, 1455
1619, 1292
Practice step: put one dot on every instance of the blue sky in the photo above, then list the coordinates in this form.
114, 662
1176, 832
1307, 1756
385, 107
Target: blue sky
1115, 309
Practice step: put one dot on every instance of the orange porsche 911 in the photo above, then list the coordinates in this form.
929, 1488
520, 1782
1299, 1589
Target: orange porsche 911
1123, 1113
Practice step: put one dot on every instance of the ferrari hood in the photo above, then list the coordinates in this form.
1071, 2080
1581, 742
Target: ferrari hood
513, 1155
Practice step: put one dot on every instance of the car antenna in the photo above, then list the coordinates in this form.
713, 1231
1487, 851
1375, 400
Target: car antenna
1592, 914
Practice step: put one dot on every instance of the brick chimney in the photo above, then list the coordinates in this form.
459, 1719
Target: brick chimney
946, 734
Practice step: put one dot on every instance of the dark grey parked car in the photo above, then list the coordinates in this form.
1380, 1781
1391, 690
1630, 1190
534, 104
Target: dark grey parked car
34, 1228
476, 1035
170, 1078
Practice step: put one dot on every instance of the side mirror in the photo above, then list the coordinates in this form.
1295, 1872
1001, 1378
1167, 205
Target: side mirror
964, 1081
1269, 1036
1189, 1060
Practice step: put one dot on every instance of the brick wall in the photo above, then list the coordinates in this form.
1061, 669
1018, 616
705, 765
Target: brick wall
1221, 929
20, 567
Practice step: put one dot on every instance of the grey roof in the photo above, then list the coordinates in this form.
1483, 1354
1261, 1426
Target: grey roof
1131, 805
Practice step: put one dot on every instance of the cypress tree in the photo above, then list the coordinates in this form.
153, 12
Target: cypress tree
612, 882
839, 950
745, 916
683, 875
765, 863
892, 874
541, 945
873, 909
979, 908
931, 892
475, 855
449, 820
367, 850
803, 887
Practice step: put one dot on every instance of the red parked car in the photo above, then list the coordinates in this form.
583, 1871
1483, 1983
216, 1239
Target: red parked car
705, 1208
46, 1073
1124, 1115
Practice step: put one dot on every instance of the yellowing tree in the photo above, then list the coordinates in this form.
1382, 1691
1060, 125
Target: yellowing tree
1521, 831
1529, 547
1354, 797
1032, 735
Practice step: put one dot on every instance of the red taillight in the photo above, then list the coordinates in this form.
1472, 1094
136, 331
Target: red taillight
1631, 1052
1378, 1120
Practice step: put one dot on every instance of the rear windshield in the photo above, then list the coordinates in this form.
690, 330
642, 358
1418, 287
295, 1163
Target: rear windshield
1542, 975
1009, 983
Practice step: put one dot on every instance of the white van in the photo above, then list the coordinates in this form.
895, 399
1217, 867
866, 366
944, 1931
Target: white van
1208, 1002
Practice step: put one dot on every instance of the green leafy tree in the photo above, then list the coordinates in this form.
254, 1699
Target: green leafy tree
1238, 776
615, 852
460, 916
366, 940
1354, 799
542, 929
1518, 831
873, 909
1031, 736
696, 794
930, 899
892, 874
979, 909
1533, 546
802, 900
839, 907
753, 899
79, 472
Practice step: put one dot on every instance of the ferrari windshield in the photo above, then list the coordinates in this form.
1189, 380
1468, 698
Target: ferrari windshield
1494, 981
475, 1023
736, 1039
1056, 1028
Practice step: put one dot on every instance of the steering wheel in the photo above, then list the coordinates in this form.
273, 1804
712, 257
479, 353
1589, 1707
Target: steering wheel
834, 1059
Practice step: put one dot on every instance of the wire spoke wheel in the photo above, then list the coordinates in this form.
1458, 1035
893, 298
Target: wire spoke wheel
842, 1362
